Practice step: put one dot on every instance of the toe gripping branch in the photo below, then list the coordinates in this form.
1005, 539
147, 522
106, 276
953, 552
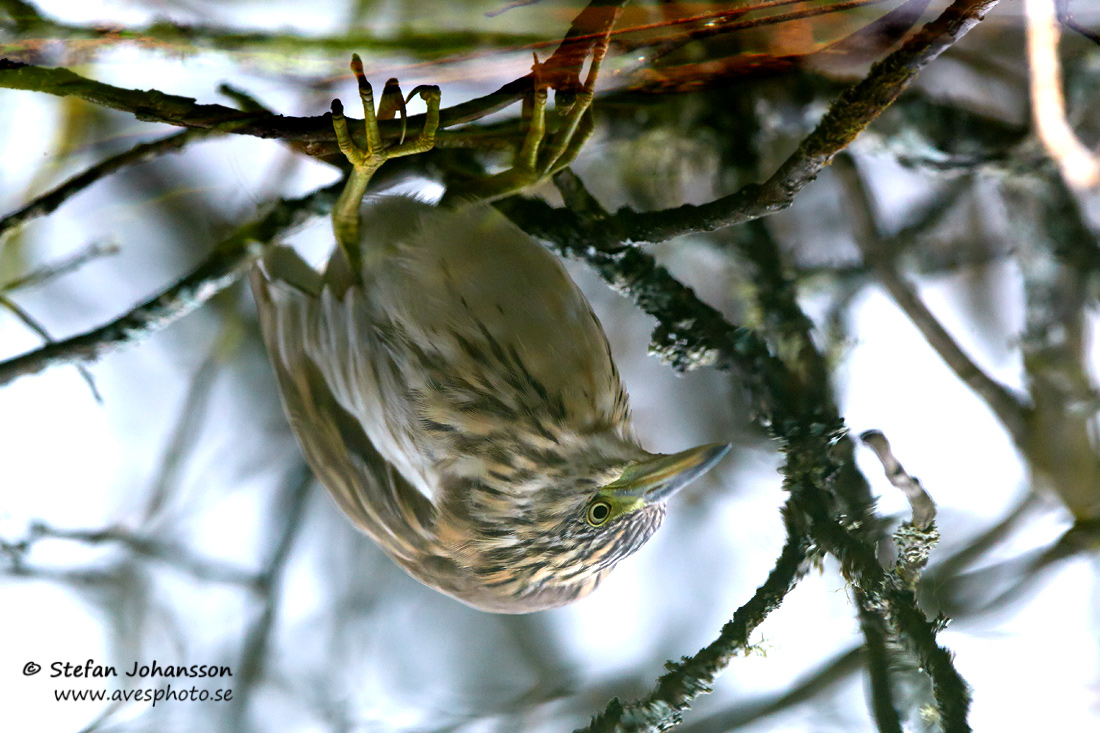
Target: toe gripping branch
366, 159
371, 156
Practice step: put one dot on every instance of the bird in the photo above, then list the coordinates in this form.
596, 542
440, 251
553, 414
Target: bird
453, 390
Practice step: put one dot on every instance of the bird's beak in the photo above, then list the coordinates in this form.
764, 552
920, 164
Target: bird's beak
656, 479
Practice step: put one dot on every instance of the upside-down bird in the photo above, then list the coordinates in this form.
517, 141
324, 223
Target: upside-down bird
452, 389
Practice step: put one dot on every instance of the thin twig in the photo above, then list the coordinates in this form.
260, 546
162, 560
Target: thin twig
221, 269
269, 583
171, 554
878, 254
826, 676
1015, 518
33, 26
692, 676
691, 334
1079, 165
184, 438
860, 567
48, 202
30, 322
312, 135
730, 20
924, 509
60, 267
847, 117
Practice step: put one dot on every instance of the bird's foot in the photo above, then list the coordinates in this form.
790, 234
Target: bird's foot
542, 154
368, 158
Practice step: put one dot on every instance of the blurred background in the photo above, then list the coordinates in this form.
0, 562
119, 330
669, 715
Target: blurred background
173, 519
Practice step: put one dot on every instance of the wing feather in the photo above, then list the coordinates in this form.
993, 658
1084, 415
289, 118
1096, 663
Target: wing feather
366, 487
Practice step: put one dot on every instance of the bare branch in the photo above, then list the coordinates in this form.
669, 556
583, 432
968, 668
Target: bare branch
878, 254
30, 322
692, 334
221, 269
48, 202
924, 509
60, 267
847, 117
691, 677
147, 547
1079, 166
825, 677
311, 135
888, 593
254, 652
33, 26
182, 440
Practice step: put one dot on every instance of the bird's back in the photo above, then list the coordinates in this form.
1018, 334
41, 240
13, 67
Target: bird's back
462, 339
447, 275
459, 326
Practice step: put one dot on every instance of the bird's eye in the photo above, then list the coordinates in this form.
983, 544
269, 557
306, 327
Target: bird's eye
598, 513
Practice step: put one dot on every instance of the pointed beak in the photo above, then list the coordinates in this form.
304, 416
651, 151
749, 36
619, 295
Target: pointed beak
656, 479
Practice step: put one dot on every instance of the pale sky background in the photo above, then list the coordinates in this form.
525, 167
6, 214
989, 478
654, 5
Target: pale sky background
76, 464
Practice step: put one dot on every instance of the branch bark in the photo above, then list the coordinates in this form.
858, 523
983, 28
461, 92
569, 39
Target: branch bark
221, 269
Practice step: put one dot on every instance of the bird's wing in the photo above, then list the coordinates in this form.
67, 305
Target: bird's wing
470, 290
300, 319
366, 487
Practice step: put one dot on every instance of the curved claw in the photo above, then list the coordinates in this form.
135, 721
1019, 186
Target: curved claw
538, 78
343, 136
391, 103
357, 69
427, 92
366, 160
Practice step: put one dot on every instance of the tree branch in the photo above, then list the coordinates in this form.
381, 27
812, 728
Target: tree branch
34, 26
691, 677
221, 269
30, 322
861, 568
878, 254
59, 267
312, 135
142, 546
48, 202
691, 334
847, 117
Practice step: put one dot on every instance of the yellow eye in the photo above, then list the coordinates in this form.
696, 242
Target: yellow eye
598, 513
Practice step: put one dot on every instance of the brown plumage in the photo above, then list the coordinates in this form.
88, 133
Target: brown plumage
453, 390
460, 404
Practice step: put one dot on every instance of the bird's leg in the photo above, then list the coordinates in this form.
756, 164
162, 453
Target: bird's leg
365, 160
536, 161
577, 127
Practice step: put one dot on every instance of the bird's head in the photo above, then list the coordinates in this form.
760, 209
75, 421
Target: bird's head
542, 530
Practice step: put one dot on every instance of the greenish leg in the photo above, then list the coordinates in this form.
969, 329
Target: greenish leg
366, 160
578, 123
527, 158
535, 162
